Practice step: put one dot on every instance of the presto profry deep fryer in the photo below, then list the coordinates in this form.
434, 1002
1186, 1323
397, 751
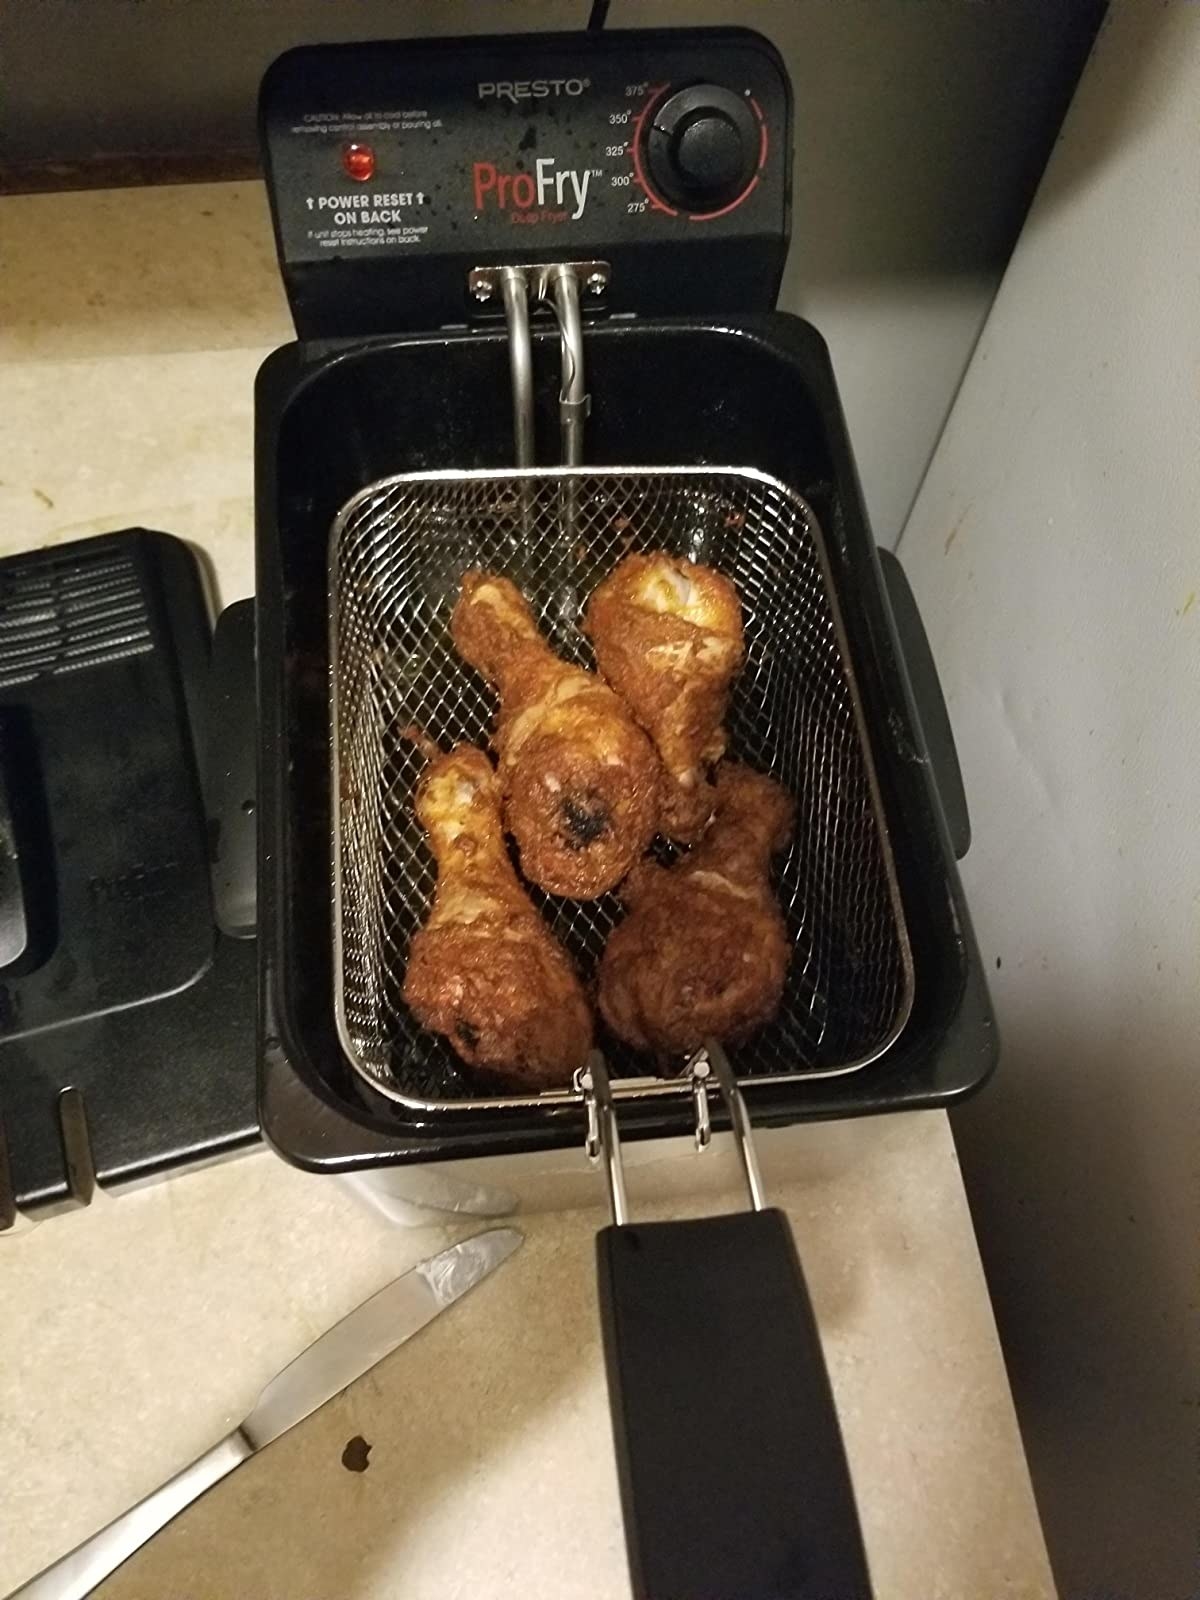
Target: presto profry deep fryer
565, 249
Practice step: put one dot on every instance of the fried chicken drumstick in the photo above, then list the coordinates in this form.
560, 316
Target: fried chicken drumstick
580, 778
485, 971
668, 637
704, 951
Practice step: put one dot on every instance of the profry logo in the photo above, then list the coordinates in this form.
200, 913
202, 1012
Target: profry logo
547, 185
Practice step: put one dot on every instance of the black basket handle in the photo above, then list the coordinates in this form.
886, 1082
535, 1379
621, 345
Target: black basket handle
734, 1483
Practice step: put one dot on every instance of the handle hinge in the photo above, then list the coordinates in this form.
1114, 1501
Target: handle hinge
602, 1141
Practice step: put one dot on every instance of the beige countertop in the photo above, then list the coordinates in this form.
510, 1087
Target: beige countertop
136, 1332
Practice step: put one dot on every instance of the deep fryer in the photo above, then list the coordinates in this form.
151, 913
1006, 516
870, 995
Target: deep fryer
391, 420
334, 420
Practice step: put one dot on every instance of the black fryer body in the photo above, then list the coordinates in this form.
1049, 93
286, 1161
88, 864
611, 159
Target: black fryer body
755, 391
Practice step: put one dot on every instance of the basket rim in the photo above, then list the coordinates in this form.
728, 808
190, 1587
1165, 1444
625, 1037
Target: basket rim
623, 1088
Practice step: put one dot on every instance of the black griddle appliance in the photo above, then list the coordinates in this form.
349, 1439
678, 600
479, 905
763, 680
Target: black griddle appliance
126, 1014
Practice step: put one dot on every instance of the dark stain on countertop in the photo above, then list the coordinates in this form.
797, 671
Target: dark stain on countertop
355, 1457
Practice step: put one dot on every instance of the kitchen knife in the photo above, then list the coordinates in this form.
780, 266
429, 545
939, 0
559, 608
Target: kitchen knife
350, 1348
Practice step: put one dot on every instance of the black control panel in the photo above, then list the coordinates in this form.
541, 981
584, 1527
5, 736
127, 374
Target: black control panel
395, 168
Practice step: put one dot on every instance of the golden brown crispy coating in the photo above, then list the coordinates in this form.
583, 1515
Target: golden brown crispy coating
668, 637
704, 950
485, 971
580, 778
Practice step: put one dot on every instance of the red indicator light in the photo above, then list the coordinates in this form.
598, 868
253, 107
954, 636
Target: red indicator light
359, 162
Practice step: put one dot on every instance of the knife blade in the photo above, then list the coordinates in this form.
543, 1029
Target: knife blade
371, 1331
330, 1364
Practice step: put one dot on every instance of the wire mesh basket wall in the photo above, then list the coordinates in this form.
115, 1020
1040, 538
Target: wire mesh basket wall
398, 552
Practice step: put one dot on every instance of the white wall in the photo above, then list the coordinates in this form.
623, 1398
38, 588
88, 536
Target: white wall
922, 126
1055, 549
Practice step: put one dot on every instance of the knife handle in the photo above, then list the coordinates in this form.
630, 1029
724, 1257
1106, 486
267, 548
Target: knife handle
97, 1558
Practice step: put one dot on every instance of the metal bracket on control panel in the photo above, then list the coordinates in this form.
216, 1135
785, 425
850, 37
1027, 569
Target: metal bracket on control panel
484, 282
557, 284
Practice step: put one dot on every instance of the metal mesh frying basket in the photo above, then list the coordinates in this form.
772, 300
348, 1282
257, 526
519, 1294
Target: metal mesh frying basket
398, 551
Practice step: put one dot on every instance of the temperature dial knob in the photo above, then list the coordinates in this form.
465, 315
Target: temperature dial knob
702, 148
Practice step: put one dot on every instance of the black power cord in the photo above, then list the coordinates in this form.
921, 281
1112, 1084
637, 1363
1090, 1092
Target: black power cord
599, 15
